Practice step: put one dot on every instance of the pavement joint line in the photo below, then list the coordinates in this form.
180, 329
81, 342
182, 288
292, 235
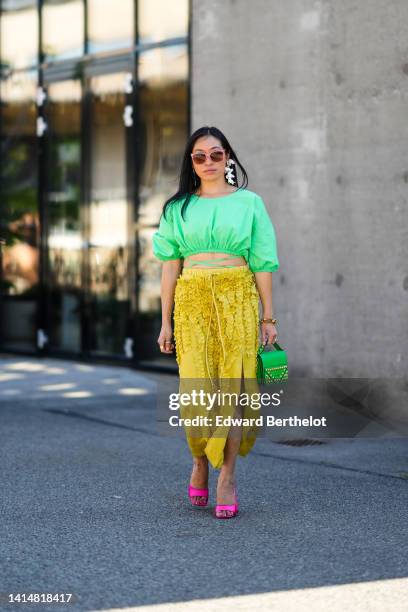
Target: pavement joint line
78, 415
93, 399
329, 464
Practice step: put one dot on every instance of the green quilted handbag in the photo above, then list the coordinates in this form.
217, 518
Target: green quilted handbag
271, 366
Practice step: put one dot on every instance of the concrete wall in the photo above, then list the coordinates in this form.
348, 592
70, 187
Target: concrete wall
313, 96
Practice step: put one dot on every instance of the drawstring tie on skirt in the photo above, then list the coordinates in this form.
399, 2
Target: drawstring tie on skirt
213, 303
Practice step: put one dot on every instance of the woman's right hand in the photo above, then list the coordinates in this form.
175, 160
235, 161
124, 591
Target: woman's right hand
165, 339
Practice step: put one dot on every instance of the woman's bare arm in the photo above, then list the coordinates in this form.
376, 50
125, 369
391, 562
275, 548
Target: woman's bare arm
263, 282
170, 272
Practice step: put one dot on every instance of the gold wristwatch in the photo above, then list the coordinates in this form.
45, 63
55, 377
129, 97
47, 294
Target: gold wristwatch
273, 321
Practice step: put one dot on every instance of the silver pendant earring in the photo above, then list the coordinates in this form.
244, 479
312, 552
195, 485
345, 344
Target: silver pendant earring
229, 171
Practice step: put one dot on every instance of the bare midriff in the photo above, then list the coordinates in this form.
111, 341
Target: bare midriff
213, 260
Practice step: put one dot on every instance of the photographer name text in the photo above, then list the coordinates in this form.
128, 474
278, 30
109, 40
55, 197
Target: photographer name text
229, 421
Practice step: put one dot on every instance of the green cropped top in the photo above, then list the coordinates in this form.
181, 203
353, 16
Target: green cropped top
237, 224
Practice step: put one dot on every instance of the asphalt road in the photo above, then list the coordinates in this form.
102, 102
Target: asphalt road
94, 503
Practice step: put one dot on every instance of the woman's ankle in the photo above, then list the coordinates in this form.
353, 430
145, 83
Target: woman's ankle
226, 489
200, 462
226, 478
199, 474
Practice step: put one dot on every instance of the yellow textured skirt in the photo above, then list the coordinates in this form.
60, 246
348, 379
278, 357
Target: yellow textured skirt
216, 334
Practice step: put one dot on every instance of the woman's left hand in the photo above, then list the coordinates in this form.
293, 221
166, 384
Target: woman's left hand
269, 333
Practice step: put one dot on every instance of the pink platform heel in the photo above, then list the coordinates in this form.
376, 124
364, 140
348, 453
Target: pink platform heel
233, 508
193, 492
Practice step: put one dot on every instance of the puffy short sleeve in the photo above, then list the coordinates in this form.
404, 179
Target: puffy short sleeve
165, 246
263, 254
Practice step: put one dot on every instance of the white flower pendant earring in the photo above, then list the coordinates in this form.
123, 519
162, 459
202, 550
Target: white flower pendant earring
229, 171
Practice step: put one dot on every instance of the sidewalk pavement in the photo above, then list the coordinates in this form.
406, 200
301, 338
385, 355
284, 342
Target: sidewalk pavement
94, 503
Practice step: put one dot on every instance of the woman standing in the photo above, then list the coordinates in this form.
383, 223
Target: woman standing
218, 248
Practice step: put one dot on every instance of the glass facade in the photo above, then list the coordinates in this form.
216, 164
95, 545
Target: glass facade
20, 215
93, 121
163, 119
110, 216
19, 51
58, 40
63, 205
109, 28
172, 23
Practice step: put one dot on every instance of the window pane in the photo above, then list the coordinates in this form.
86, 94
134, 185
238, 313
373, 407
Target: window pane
108, 27
19, 16
163, 74
110, 217
19, 211
63, 29
164, 130
161, 19
64, 227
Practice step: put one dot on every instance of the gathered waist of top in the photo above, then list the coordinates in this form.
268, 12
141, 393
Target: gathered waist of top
215, 262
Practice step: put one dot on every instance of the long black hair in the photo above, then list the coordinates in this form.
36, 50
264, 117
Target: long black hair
189, 181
